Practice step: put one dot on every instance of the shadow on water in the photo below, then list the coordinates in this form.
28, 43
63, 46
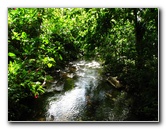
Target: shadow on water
82, 94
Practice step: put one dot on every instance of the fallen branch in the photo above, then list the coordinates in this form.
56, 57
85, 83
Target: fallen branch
114, 82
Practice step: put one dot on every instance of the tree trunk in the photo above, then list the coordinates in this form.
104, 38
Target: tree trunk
139, 33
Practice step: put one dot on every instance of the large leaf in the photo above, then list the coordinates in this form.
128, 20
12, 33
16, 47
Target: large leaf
11, 54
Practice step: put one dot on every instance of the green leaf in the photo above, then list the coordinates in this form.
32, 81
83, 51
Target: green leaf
40, 89
11, 54
24, 35
51, 59
31, 60
38, 83
60, 57
48, 77
49, 65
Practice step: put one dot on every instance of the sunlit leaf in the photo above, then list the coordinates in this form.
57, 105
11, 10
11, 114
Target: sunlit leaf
49, 65
24, 35
60, 57
11, 54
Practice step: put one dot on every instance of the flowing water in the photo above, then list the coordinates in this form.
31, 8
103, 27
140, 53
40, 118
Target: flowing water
82, 94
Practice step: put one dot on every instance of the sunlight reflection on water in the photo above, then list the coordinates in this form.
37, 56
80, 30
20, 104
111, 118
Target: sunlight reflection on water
69, 105
87, 96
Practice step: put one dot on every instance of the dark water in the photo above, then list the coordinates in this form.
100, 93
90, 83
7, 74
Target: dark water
82, 94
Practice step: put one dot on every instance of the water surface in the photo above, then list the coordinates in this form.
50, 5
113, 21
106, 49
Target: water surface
83, 94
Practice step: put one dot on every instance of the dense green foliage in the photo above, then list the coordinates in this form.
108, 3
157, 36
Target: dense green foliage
42, 40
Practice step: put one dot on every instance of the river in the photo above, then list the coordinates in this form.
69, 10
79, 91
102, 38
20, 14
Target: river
82, 94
